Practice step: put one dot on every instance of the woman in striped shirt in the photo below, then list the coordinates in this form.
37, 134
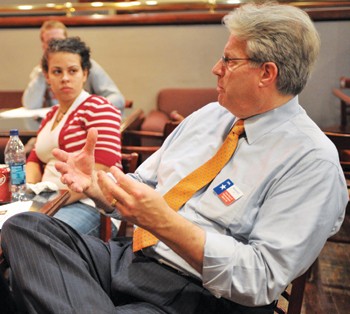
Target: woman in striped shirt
66, 65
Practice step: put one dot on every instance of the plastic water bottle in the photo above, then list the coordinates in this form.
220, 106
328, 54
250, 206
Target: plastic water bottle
15, 158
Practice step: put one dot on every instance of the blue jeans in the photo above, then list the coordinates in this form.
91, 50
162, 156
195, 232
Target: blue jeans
83, 218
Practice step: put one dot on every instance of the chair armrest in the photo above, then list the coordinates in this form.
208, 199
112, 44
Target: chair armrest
128, 103
148, 150
140, 133
52, 206
344, 82
341, 95
155, 121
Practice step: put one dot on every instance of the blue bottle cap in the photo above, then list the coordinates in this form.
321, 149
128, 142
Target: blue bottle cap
13, 132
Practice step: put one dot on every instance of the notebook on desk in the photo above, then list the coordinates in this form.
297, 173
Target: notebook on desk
25, 113
22, 124
11, 209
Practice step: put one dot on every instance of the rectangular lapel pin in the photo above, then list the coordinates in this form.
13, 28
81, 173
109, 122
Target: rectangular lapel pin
228, 192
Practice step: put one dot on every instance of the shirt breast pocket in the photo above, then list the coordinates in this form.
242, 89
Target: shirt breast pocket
229, 216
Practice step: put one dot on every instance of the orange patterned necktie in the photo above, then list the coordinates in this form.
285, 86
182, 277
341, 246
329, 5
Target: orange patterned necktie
196, 180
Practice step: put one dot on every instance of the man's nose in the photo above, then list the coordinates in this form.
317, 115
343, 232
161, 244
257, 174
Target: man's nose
217, 68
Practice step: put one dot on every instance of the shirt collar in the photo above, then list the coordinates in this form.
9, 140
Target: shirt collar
259, 125
82, 97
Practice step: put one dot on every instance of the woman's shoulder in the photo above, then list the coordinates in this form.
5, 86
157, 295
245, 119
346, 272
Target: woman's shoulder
98, 104
51, 112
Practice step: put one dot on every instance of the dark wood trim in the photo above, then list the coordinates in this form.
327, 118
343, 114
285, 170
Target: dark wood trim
320, 11
141, 19
329, 14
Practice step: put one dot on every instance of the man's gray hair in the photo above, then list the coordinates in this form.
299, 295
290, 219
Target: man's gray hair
281, 34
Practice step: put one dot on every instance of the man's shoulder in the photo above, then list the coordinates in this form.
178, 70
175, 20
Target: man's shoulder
95, 66
37, 71
312, 137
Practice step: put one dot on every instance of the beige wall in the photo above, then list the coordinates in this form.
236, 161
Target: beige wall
142, 60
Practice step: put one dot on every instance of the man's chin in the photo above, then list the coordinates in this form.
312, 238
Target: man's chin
222, 101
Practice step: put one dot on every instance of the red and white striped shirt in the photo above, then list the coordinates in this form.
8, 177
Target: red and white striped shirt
94, 111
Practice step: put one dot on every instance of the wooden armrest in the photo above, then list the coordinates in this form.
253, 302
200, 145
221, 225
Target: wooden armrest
140, 149
125, 228
140, 133
51, 207
128, 103
341, 95
344, 82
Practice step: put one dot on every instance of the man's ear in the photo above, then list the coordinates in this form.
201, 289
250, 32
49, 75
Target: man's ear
269, 74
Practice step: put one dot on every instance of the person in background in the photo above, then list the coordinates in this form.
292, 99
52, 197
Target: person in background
238, 201
66, 64
38, 93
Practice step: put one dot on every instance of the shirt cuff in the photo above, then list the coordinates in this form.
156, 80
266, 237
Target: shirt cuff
217, 264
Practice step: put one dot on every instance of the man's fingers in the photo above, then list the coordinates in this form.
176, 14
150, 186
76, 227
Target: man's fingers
91, 141
125, 182
60, 154
61, 167
110, 188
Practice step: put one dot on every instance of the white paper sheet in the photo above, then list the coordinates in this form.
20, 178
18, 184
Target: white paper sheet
44, 186
25, 113
8, 210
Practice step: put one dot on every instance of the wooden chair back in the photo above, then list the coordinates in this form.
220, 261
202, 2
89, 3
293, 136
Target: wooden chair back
11, 99
343, 96
291, 299
185, 100
169, 127
144, 151
129, 162
342, 143
182, 101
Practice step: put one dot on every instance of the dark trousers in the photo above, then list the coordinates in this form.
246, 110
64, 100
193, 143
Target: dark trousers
57, 270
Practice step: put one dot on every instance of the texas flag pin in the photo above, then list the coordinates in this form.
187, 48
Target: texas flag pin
228, 192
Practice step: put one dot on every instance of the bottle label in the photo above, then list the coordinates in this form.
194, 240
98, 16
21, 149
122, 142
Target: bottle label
18, 174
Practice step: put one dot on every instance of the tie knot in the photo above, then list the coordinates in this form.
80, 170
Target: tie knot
238, 128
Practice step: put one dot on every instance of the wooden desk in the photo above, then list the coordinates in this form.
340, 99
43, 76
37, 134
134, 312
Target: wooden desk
50, 202
27, 127
131, 119
337, 129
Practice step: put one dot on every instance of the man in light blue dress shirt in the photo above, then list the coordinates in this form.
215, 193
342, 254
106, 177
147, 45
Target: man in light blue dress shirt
287, 189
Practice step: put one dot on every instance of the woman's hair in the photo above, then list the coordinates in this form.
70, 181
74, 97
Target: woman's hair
282, 34
72, 45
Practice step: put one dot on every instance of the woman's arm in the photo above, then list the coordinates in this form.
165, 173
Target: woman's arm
33, 172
